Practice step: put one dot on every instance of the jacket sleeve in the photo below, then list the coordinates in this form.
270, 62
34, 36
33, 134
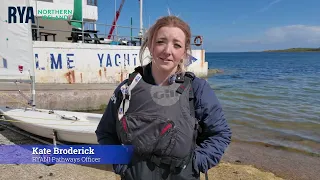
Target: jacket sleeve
106, 130
216, 133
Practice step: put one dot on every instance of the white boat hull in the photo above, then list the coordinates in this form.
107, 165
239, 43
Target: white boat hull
42, 123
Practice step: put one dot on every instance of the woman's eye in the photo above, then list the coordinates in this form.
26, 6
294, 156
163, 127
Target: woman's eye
159, 42
177, 46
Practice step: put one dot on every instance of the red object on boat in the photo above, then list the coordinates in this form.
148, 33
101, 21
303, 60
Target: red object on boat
115, 19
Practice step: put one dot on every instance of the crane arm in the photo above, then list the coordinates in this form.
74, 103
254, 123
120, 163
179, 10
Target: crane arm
115, 19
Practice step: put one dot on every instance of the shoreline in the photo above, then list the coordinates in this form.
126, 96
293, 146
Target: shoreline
282, 163
285, 148
240, 161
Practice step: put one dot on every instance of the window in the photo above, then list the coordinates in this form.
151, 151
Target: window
92, 2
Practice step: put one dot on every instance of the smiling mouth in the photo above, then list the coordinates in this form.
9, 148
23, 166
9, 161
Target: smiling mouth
163, 59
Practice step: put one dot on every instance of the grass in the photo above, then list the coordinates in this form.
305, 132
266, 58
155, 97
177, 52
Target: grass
295, 50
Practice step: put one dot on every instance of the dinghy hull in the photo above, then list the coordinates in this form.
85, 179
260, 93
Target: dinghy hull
74, 127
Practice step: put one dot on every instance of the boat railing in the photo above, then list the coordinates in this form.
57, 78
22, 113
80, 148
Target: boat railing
91, 32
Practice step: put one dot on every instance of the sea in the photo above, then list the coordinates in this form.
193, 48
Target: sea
270, 98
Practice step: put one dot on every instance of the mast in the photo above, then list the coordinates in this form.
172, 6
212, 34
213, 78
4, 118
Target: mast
33, 92
141, 22
33, 74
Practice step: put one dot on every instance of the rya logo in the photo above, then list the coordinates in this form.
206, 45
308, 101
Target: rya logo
24, 13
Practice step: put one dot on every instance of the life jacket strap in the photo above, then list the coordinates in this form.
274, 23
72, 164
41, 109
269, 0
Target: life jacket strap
126, 89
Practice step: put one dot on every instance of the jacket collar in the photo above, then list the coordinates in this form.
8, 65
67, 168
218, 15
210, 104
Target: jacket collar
147, 75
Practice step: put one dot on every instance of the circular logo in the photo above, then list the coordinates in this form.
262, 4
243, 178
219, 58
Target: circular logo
164, 95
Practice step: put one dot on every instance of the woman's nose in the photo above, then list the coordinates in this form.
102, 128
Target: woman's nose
168, 49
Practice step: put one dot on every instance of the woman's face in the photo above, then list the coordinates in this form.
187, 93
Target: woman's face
168, 48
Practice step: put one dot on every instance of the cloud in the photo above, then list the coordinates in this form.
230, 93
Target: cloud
269, 6
293, 33
282, 37
263, 9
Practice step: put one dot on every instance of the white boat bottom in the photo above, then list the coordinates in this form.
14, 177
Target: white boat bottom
76, 127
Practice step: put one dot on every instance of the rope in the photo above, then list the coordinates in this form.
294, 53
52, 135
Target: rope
206, 175
15, 100
7, 120
36, 117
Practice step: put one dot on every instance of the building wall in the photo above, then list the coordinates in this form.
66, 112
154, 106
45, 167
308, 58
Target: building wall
59, 27
62, 62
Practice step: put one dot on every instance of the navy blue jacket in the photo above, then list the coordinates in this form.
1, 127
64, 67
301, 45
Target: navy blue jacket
216, 133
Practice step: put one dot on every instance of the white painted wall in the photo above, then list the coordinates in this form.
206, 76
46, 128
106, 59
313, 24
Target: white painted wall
62, 62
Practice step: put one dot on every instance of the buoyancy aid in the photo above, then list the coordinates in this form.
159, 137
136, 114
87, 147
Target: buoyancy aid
158, 121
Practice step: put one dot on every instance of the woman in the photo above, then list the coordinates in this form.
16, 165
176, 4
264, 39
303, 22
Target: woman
158, 118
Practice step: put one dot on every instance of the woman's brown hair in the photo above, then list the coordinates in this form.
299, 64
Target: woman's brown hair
169, 21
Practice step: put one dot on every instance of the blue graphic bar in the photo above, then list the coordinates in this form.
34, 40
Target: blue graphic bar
65, 154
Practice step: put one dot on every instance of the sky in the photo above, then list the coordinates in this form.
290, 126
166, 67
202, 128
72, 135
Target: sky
227, 25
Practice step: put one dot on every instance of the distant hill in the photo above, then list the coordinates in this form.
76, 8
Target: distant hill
295, 50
